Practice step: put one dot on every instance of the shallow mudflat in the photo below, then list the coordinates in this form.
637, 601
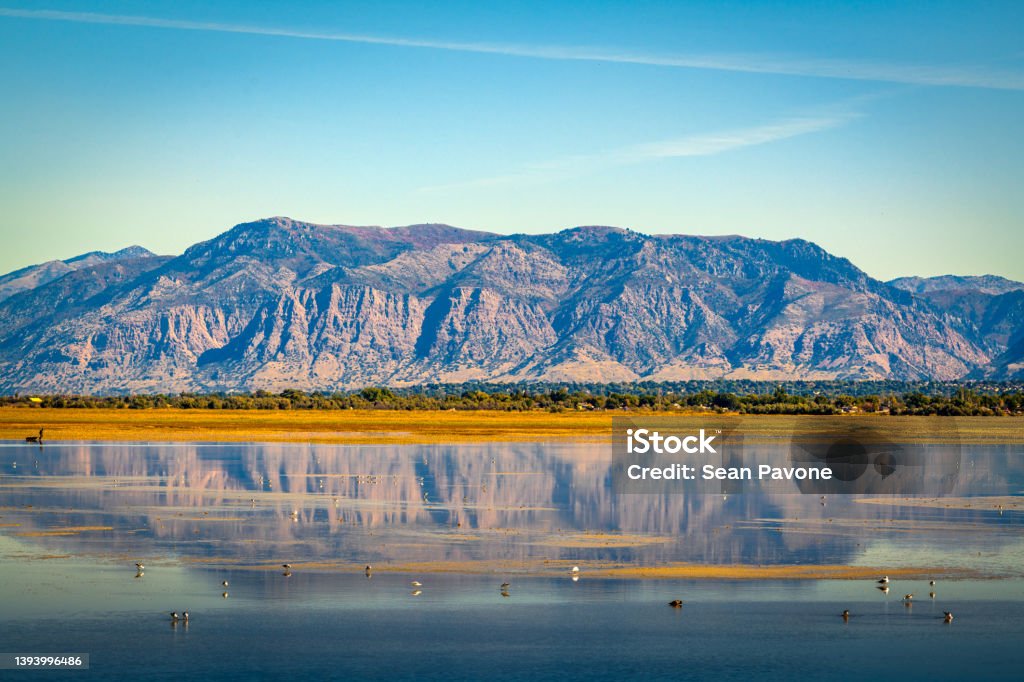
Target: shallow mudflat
999, 503
604, 570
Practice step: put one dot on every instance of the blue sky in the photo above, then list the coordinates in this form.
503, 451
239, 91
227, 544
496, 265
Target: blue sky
888, 134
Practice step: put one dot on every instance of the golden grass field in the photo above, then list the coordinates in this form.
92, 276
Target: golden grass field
383, 426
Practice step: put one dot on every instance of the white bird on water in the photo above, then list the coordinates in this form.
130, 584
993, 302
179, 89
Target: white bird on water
884, 580
575, 569
416, 583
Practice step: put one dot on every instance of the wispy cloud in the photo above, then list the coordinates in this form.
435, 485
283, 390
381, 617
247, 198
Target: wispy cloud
968, 77
707, 144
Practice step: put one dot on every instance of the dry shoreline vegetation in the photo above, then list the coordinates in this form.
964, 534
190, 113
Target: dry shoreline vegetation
411, 427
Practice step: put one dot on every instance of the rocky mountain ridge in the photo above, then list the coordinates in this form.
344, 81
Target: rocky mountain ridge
37, 275
279, 303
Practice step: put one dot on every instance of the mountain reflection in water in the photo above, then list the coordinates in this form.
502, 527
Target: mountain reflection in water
255, 503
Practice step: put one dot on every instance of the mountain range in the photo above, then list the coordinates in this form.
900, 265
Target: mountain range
279, 303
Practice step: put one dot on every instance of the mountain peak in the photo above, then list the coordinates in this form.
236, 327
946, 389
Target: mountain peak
43, 273
303, 247
134, 251
992, 285
591, 232
415, 232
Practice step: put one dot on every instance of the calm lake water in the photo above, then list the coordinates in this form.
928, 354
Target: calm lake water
74, 519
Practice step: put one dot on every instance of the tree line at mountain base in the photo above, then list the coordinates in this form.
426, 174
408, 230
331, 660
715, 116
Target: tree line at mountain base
737, 397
